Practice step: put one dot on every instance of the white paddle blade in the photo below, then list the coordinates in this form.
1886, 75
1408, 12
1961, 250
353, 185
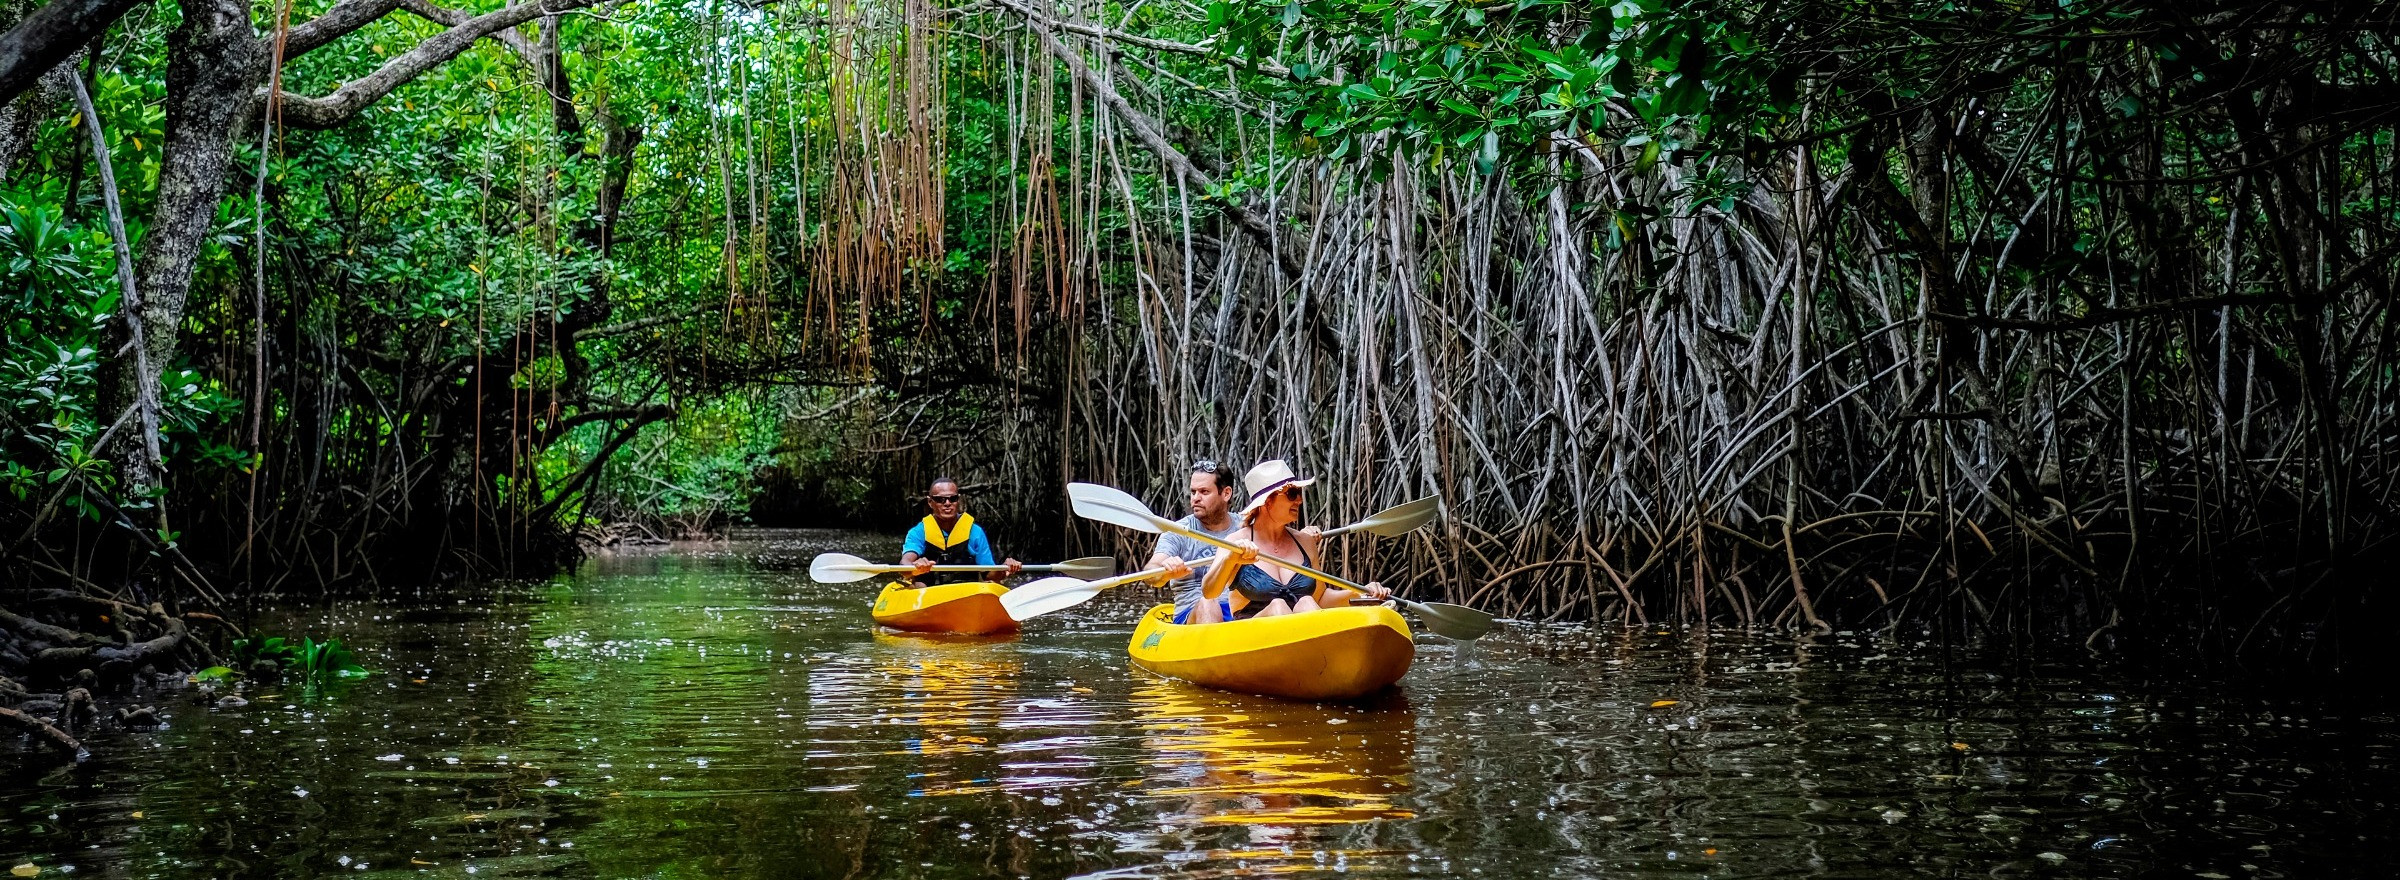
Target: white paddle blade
841, 568
1046, 595
1100, 503
1060, 593
1088, 568
1392, 522
1405, 518
1452, 621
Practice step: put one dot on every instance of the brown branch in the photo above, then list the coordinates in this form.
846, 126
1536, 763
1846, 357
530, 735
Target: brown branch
2100, 316
205, 617
515, 40
599, 415
1147, 130
44, 730
345, 102
647, 415
637, 325
48, 35
345, 17
1269, 68
55, 635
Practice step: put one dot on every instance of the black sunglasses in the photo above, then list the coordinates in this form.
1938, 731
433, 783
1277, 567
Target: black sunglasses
944, 499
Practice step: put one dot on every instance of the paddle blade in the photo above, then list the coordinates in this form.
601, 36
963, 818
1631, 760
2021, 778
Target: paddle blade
1089, 568
1046, 595
1401, 520
841, 568
1451, 621
1100, 503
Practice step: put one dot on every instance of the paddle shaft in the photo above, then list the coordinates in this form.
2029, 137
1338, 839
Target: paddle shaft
1228, 546
896, 569
1146, 574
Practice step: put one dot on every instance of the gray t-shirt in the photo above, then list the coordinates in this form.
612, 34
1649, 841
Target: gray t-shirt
1187, 588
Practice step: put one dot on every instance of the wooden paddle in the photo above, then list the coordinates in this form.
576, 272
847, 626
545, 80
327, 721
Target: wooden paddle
1097, 502
842, 568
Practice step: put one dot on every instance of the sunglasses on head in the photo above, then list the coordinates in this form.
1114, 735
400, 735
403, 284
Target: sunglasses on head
944, 499
1204, 466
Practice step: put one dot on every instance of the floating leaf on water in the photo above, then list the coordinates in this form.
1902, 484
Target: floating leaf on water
1661, 704
1959, 746
25, 870
2051, 857
137, 814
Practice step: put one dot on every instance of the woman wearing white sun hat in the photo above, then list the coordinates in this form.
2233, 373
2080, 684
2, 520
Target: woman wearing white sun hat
1270, 526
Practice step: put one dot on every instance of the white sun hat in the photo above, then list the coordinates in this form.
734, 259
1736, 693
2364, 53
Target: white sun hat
1269, 477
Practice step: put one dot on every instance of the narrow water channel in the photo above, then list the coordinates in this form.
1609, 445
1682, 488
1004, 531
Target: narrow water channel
709, 712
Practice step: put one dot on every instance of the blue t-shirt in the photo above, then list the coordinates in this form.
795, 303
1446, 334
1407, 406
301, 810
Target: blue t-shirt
1187, 588
976, 543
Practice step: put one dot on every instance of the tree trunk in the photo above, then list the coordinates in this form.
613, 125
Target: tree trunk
215, 63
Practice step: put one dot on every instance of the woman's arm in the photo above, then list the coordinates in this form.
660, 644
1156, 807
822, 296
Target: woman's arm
1221, 575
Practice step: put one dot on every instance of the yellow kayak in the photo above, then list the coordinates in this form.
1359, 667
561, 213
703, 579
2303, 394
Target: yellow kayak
972, 608
1332, 654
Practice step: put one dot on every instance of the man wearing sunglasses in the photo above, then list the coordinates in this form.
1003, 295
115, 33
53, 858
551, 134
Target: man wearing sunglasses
948, 536
1212, 493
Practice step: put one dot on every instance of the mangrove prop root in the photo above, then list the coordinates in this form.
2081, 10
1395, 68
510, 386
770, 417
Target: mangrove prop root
79, 711
42, 730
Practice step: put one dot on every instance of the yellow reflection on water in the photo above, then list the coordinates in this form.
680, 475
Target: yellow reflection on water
942, 682
1228, 759
927, 705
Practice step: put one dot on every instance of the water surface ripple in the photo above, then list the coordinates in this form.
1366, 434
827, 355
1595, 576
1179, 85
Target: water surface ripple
708, 712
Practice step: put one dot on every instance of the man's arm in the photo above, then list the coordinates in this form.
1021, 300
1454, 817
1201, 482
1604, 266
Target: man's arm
1169, 547
981, 544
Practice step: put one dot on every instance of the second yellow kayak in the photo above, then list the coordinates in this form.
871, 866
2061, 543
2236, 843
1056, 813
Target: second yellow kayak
1332, 654
972, 608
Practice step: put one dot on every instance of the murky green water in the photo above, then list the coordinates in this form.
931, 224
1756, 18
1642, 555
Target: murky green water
711, 713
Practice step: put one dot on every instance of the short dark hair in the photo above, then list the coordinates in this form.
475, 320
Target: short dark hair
940, 480
1213, 469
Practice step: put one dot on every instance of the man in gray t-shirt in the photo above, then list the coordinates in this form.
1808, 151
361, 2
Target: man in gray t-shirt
1213, 490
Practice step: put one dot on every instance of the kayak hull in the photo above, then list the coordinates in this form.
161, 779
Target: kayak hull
1330, 654
971, 608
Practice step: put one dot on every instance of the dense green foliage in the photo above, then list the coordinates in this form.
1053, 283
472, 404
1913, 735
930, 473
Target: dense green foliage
1685, 306
1517, 81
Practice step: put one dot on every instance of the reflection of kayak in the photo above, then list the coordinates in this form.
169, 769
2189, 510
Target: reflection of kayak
1229, 759
1332, 654
971, 607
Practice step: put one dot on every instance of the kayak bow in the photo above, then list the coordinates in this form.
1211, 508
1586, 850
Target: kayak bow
1329, 654
971, 608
